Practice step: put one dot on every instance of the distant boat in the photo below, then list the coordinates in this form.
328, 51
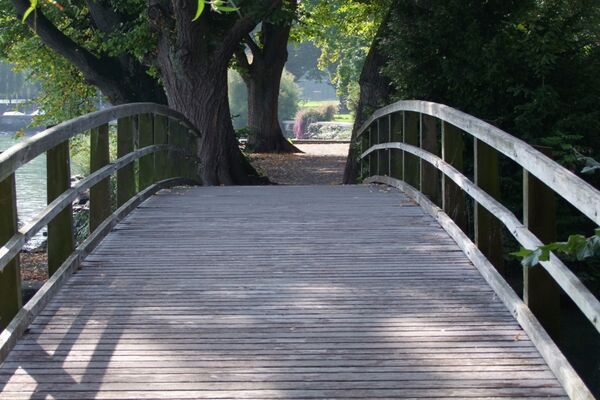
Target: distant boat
15, 120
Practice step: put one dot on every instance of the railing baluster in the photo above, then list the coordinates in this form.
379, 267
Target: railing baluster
389, 151
100, 202
146, 163
61, 242
488, 234
10, 277
126, 185
397, 128
372, 158
540, 292
161, 136
453, 197
378, 133
430, 176
364, 145
412, 164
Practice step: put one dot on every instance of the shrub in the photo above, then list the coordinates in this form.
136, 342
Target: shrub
307, 116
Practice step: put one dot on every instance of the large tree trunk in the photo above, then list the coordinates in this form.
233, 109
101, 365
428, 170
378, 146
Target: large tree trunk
193, 58
265, 135
206, 105
375, 92
262, 76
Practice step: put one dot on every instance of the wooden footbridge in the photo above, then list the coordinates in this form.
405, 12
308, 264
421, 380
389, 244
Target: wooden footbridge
371, 291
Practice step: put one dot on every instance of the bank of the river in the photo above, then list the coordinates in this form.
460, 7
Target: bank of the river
31, 186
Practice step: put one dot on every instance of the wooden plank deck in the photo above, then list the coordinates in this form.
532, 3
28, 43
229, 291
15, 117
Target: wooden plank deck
276, 293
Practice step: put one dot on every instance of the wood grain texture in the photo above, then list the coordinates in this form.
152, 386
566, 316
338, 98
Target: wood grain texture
574, 386
572, 188
28, 149
568, 281
276, 292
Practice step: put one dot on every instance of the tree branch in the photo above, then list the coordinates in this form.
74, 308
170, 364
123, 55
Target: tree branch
109, 74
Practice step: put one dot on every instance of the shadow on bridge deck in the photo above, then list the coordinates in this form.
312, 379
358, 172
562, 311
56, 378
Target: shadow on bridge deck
276, 292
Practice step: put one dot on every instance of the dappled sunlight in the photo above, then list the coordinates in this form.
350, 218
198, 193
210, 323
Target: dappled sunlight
306, 296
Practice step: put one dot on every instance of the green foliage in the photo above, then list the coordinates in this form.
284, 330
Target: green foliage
577, 246
530, 67
218, 6
305, 117
343, 31
289, 96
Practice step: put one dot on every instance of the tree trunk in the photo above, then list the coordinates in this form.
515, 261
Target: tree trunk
193, 57
206, 105
265, 135
375, 92
262, 76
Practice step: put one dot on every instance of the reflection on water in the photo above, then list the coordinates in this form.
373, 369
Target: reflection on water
31, 186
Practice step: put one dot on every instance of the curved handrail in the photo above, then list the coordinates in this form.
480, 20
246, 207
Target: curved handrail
28, 149
12, 247
580, 194
157, 135
575, 190
585, 300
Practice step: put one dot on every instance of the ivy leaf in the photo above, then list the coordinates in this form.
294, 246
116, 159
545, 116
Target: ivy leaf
522, 253
32, 7
201, 6
226, 8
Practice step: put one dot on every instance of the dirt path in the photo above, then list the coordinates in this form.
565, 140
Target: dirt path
320, 164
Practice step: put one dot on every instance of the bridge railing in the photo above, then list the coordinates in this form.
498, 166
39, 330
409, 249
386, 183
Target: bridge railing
163, 142
420, 148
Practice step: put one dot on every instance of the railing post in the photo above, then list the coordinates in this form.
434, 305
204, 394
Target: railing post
195, 172
378, 130
389, 152
412, 164
397, 130
146, 138
373, 166
10, 277
488, 234
126, 187
540, 292
430, 176
61, 242
100, 202
383, 134
161, 136
453, 198
364, 145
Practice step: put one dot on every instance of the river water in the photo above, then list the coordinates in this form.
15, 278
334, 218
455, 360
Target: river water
31, 187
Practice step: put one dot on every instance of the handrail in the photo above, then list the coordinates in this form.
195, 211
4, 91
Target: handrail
12, 247
581, 296
148, 133
575, 190
418, 144
25, 151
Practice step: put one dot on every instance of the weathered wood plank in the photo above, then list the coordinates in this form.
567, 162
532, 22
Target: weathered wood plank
488, 233
61, 242
10, 277
100, 194
146, 138
126, 179
540, 292
392, 310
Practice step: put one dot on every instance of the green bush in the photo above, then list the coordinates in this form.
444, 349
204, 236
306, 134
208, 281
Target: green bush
307, 116
289, 97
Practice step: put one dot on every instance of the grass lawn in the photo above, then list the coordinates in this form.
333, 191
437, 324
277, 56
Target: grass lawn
320, 103
343, 118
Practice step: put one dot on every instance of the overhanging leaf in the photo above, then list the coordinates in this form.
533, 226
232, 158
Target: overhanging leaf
32, 7
201, 6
